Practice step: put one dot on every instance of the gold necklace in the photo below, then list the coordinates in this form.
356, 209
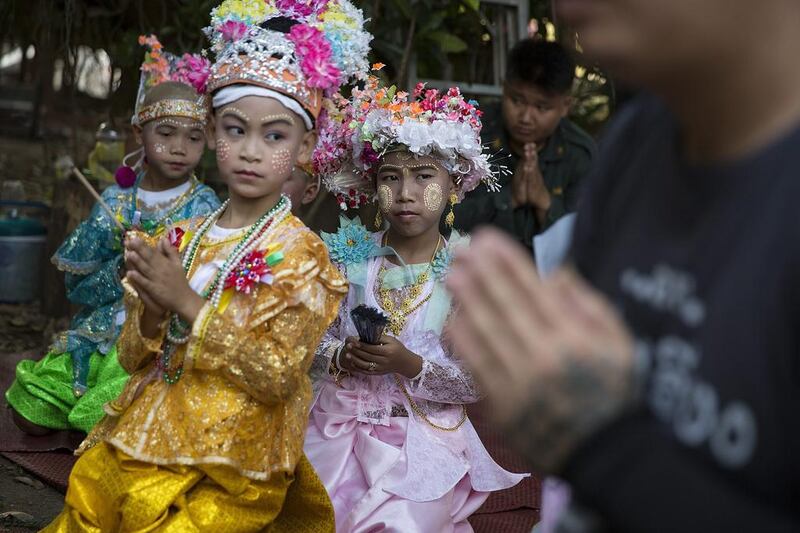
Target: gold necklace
397, 321
398, 315
421, 414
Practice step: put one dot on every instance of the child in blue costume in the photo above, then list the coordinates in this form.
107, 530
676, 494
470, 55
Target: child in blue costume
69, 386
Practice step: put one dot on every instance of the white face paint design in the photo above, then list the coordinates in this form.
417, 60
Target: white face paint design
235, 111
159, 148
282, 161
274, 118
223, 150
385, 198
432, 195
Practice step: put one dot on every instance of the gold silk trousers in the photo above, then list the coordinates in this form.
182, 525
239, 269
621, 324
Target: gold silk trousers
111, 491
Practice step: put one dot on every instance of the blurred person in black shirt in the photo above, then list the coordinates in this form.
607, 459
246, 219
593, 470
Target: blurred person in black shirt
661, 376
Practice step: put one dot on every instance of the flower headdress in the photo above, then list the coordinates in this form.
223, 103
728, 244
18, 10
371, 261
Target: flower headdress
376, 120
161, 66
298, 48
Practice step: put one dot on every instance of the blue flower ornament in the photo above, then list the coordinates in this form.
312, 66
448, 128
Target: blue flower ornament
352, 244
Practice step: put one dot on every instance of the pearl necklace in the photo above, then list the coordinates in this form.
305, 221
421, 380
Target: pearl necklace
178, 331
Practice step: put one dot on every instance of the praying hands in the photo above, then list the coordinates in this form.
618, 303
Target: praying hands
158, 276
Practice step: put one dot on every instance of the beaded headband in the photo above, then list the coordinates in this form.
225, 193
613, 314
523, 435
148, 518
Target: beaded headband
197, 110
299, 48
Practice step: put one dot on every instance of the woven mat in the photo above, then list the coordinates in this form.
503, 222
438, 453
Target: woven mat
51, 467
519, 521
512, 510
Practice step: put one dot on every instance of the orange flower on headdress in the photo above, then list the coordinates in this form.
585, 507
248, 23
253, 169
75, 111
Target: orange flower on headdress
155, 63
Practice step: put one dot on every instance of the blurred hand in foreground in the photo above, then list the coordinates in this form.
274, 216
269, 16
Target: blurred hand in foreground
553, 356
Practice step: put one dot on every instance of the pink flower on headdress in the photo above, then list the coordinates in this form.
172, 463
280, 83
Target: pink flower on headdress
300, 8
308, 39
193, 70
314, 52
319, 71
233, 30
369, 156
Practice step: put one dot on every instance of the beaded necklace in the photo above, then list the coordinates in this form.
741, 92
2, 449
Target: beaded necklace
151, 226
178, 331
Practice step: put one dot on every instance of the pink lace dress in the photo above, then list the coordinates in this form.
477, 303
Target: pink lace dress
386, 468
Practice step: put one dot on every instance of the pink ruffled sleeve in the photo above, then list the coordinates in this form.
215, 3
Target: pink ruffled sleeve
443, 378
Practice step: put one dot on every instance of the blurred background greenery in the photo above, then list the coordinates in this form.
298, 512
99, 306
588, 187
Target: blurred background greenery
66, 66
69, 71
69, 41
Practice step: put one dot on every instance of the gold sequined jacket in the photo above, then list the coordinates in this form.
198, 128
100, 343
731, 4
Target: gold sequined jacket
244, 395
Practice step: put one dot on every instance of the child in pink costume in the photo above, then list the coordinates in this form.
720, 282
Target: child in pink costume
388, 432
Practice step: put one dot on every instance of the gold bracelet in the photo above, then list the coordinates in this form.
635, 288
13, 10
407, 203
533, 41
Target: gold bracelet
419, 413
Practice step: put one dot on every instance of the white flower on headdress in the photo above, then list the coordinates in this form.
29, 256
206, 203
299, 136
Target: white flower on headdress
415, 135
469, 144
446, 137
375, 124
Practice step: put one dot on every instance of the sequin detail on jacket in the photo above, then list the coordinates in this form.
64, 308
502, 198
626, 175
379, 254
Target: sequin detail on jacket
91, 257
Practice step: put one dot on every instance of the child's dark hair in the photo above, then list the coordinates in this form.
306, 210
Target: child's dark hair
547, 65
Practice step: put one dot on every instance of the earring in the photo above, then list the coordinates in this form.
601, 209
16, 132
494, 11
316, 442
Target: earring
378, 220
450, 219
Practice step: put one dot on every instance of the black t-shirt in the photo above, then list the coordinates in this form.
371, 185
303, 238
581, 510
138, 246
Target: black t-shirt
703, 263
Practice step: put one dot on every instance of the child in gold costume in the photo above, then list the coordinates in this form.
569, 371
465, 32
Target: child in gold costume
225, 315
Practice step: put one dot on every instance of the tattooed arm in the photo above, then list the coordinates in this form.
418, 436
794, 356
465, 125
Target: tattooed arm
580, 395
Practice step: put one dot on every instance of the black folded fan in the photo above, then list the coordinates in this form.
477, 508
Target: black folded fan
370, 323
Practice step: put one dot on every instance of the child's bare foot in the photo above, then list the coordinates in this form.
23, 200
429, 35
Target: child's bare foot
29, 427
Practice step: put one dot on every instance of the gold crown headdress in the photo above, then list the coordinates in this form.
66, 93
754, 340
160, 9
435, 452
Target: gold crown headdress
300, 49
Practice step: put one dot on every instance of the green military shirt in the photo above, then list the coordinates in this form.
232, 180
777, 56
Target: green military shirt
564, 161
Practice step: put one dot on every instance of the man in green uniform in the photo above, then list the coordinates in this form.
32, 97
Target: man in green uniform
547, 155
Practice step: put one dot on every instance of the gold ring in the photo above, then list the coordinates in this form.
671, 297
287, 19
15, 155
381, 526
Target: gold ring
372, 366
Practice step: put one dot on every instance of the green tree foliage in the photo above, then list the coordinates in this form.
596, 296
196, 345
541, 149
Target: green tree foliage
450, 40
